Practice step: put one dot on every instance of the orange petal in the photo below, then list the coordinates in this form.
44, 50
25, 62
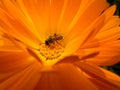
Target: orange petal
77, 57
62, 13
113, 22
110, 12
85, 16
41, 21
7, 46
15, 29
104, 79
89, 33
12, 8
64, 77
28, 76
107, 35
69, 59
49, 81
108, 54
13, 61
15, 13
71, 78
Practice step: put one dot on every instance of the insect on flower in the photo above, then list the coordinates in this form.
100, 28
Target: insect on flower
58, 45
53, 39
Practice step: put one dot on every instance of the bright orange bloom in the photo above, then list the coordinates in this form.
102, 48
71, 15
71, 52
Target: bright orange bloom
58, 45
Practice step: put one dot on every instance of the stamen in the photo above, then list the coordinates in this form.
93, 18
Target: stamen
51, 52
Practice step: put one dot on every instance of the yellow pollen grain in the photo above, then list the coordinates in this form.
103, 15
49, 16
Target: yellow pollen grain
51, 52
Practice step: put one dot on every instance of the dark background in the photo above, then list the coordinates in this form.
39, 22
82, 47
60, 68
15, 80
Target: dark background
114, 68
117, 2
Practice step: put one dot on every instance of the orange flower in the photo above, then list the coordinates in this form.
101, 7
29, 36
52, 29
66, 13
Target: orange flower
58, 45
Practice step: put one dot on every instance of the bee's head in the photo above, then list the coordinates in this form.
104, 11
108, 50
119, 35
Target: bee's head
47, 42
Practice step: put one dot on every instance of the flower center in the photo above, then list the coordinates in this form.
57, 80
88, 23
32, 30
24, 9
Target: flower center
52, 47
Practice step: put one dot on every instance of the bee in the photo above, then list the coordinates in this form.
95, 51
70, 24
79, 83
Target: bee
53, 39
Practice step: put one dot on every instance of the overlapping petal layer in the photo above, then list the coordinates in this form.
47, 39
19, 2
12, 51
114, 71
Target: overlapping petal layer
90, 38
104, 79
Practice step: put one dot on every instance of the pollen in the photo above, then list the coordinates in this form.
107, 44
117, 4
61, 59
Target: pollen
52, 51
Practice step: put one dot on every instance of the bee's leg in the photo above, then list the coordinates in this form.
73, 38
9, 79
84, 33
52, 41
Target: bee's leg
59, 43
